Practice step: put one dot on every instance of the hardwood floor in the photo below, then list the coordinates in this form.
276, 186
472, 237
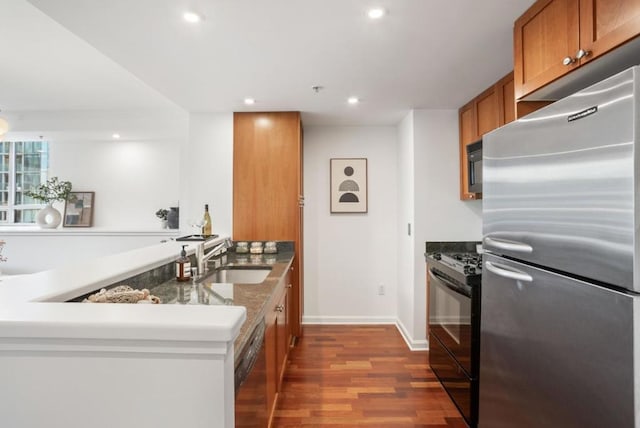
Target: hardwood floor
346, 376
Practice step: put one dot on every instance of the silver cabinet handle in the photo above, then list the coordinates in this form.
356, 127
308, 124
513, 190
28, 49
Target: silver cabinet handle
508, 245
582, 53
289, 285
501, 270
279, 308
568, 60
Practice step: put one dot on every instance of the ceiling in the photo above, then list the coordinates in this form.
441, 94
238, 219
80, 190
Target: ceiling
141, 54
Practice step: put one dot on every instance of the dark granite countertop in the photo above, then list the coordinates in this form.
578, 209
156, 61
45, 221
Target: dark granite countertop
450, 247
254, 297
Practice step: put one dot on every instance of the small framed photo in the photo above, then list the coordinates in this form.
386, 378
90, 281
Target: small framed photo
78, 211
349, 185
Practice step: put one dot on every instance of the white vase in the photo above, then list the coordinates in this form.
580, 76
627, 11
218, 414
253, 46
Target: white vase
163, 224
48, 217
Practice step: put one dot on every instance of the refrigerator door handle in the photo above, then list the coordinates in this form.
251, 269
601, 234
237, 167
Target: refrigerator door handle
508, 245
505, 272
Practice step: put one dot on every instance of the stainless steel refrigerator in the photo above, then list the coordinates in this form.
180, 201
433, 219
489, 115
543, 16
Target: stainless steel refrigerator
560, 330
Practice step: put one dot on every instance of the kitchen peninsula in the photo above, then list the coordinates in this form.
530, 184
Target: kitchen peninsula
105, 365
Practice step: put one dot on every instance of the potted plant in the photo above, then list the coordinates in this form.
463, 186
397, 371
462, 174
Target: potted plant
163, 215
49, 192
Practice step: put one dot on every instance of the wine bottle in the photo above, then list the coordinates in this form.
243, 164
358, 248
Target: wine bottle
206, 224
183, 267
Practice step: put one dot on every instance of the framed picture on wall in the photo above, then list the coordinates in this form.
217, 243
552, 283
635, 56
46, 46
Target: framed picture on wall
348, 185
78, 211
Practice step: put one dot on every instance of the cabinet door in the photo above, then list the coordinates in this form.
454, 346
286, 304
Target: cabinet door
270, 346
266, 176
467, 122
606, 24
281, 336
506, 100
544, 36
289, 314
486, 112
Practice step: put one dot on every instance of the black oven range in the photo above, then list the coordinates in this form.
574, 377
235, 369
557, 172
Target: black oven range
454, 326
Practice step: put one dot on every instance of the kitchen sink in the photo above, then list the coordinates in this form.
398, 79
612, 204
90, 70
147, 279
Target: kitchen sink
238, 275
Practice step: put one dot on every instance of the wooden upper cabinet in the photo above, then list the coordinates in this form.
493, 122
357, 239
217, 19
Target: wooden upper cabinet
544, 37
554, 37
491, 109
266, 176
606, 24
468, 134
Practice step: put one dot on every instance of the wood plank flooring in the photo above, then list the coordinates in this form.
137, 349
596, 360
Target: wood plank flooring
348, 376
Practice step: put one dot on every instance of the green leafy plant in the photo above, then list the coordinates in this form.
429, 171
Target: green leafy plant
162, 214
52, 190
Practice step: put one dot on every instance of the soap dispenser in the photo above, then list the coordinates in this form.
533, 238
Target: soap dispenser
183, 266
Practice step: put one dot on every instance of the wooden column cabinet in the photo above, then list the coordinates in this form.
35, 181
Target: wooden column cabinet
267, 188
494, 107
555, 37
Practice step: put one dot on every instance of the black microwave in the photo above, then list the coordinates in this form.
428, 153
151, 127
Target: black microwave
474, 164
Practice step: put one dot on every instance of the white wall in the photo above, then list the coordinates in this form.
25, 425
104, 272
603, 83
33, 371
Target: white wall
437, 177
207, 172
132, 178
406, 280
429, 149
348, 256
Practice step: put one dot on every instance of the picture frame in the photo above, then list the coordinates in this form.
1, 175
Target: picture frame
349, 187
78, 210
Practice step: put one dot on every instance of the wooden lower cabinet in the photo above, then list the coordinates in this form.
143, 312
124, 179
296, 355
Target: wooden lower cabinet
278, 339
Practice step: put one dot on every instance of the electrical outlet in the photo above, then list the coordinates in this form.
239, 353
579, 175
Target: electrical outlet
381, 290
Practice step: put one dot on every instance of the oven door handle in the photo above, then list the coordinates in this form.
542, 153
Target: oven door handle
448, 283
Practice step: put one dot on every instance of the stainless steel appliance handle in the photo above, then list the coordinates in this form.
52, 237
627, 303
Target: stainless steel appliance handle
502, 270
508, 245
450, 285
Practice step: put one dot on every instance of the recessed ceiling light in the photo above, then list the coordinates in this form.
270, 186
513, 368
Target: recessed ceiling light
249, 101
192, 17
116, 136
353, 100
376, 13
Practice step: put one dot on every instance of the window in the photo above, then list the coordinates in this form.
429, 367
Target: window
23, 166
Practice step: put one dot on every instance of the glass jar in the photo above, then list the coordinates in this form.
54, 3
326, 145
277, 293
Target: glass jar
242, 247
270, 247
256, 248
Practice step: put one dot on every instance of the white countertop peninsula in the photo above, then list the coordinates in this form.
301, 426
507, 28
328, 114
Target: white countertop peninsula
75, 365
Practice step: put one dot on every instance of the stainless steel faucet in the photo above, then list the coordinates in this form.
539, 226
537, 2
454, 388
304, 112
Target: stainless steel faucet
202, 256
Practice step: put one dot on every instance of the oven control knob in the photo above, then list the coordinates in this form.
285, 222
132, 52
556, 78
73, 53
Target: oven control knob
468, 270
437, 256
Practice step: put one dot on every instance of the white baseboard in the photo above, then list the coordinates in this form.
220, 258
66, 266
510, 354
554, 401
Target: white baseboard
347, 320
414, 345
